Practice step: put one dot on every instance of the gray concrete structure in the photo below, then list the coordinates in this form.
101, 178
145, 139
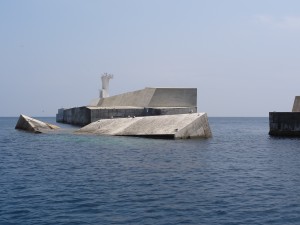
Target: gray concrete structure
296, 106
286, 123
182, 126
145, 102
76, 116
151, 97
151, 112
82, 116
29, 124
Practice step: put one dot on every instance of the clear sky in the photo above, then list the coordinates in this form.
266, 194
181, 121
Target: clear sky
242, 55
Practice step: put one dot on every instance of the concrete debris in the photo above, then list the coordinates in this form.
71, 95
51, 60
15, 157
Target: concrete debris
29, 124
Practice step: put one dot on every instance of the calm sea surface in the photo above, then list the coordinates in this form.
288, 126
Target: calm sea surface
240, 176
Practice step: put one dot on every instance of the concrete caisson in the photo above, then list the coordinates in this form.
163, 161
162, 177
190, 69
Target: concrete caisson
181, 126
33, 125
286, 124
145, 102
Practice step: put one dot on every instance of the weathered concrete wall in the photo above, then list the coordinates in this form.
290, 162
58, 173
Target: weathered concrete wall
193, 125
77, 116
108, 113
153, 97
296, 106
199, 128
284, 123
140, 98
146, 102
85, 115
60, 115
174, 97
174, 110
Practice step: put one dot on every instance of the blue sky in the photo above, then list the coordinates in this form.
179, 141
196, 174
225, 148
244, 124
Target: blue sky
243, 56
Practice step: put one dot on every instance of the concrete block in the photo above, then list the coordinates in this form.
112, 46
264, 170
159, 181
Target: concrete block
181, 126
77, 116
29, 124
284, 124
153, 97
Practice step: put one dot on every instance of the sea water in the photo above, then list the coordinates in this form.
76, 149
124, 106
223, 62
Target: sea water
240, 176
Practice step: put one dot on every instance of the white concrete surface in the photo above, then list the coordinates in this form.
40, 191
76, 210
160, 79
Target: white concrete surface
181, 126
152, 97
33, 125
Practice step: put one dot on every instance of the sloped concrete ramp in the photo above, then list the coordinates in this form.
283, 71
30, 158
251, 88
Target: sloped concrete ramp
151, 97
181, 126
36, 126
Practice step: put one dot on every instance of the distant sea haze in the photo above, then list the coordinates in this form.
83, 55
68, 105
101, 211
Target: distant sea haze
240, 176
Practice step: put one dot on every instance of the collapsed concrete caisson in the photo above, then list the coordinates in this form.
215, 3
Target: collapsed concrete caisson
181, 126
33, 125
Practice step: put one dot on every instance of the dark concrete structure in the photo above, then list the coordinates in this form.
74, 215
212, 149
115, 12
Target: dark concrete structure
286, 124
84, 115
76, 116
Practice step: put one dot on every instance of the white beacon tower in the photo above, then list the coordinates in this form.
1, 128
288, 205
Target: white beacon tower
105, 85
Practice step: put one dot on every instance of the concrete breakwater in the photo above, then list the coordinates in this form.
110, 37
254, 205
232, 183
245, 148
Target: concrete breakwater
145, 102
150, 112
87, 114
286, 123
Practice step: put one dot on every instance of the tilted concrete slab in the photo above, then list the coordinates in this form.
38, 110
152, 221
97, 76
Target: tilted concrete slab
36, 126
181, 126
